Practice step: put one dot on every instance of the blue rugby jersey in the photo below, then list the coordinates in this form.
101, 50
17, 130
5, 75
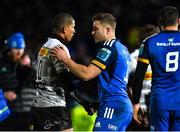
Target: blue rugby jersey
161, 51
114, 61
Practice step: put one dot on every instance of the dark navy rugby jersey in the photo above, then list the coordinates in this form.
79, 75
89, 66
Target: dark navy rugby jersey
114, 61
161, 51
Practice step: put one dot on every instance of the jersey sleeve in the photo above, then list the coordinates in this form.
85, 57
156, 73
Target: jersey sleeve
138, 81
134, 57
143, 53
104, 57
141, 68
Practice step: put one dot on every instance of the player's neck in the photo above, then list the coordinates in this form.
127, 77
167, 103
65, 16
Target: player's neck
110, 37
62, 35
170, 28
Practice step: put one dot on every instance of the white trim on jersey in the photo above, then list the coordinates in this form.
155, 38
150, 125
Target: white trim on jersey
105, 43
109, 43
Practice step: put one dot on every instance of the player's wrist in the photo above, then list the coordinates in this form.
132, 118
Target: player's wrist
66, 60
136, 106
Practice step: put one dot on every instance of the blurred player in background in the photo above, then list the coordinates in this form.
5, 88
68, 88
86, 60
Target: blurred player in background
145, 31
14, 71
161, 51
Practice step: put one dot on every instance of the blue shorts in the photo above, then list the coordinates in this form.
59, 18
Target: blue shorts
112, 119
165, 120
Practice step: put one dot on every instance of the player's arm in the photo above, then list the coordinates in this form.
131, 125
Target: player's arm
137, 87
141, 68
104, 57
138, 81
64, 76
83, 72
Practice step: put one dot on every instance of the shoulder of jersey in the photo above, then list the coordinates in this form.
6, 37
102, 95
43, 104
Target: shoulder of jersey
151, 36
109, 43
52, 42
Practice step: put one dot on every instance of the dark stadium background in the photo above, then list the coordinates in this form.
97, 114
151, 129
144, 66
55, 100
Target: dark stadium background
33, 17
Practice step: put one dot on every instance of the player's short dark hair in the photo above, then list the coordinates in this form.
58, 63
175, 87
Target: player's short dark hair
105, 18
61, 20
168, 16
146, 31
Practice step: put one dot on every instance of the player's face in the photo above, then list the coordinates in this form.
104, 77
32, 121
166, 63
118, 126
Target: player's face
16, 54
69, 31
99, 31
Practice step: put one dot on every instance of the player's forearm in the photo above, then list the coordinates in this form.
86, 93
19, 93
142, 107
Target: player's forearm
138, 82
79, 70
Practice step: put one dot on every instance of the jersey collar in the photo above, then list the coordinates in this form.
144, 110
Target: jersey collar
60, 39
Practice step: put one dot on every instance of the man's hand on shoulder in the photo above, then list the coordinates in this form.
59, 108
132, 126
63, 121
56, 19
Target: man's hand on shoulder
59, 53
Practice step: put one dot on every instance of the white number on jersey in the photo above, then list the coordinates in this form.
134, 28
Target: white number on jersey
173, 62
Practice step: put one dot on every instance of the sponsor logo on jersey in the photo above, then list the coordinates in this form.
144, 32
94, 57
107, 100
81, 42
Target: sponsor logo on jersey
108, 113
98, 124
112, 127
103, 54
43, 52
170, 40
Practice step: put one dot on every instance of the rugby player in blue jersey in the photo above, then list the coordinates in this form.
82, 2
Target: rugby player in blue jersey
111, 65
161, 51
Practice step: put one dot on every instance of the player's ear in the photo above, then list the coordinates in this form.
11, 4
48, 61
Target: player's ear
108, 30
64, 29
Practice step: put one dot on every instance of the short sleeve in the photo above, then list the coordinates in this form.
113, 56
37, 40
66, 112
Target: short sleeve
104, 57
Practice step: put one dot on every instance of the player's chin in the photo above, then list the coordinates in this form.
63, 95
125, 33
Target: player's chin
70, 38
96, 40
